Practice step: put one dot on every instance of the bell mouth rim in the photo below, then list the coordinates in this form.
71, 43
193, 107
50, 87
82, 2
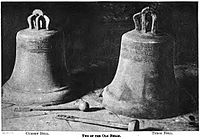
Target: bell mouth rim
17, 97
125, 108
7, 85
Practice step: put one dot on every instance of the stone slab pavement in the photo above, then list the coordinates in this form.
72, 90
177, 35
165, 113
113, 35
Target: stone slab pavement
46, 120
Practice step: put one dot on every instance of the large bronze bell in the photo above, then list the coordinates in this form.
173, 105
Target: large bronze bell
39, 74
144, 85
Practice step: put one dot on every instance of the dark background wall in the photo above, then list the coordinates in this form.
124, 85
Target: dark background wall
93, 30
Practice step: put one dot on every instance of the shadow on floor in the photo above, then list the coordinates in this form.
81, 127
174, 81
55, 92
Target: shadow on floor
85, 80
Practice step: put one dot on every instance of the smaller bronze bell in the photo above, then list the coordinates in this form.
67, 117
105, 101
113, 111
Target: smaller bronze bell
144, 85
39, 74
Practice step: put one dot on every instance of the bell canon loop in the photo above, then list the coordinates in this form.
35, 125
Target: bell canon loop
39, 74
144, 85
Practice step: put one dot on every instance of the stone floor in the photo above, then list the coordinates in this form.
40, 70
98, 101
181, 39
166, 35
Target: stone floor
13, 120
